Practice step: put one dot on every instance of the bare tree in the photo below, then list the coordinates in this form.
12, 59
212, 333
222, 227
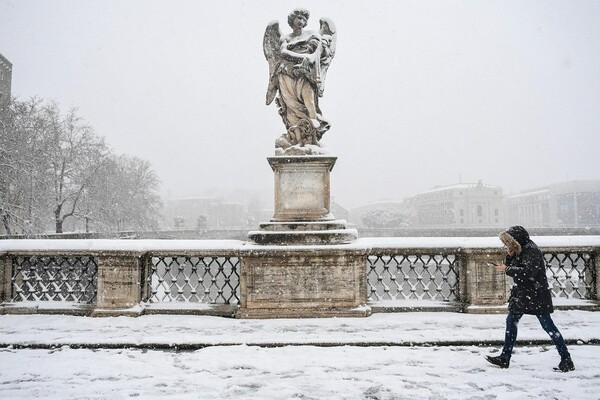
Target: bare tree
123, 196
54, 168
75, 154
23, 181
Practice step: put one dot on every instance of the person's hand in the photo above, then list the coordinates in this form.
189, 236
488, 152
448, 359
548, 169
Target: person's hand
500, 267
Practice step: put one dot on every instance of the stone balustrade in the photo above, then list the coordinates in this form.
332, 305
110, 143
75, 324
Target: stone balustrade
131, 277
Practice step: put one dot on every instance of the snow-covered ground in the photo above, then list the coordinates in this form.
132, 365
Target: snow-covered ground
381, 328
296, 372
371, 358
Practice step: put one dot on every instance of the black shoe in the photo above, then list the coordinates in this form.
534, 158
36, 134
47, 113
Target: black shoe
500, 361
565, 365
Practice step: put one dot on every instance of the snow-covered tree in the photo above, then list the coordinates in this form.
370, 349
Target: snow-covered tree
23, 178
123, 195
383, 219
75, 155
55, 168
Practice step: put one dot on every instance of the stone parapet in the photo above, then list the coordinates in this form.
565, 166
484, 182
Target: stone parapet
119, 284
294, 280
482, 288
302, 281
5, 278
596, 266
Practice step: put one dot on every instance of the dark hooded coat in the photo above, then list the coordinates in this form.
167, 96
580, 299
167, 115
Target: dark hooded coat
530, 293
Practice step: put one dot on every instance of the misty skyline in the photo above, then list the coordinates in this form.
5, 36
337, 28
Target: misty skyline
419, 94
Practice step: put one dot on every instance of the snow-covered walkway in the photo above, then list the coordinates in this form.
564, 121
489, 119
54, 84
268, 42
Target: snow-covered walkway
296, 372
198, 331
234, 367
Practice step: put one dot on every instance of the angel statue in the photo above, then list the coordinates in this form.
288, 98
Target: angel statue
298, 64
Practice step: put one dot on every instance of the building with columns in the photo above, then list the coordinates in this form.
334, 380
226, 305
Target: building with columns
572, 204
463, 205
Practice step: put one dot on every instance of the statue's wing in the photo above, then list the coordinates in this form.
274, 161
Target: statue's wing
328, 41
272, 48
327, 29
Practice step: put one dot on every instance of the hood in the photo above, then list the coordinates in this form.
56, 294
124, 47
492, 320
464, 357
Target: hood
515, 238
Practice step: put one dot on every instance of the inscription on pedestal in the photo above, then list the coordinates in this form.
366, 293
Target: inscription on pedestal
301, 283
118, 285
490, 284
301, 190
310, 282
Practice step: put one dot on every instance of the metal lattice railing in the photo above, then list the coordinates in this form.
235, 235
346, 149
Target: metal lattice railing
413, 277
571, 275
54, 278
213, 280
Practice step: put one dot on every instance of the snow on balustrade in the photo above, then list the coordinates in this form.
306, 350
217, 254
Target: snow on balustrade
109, 245
97, 245
402, 272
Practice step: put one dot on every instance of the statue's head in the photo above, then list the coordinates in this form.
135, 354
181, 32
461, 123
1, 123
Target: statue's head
302, 12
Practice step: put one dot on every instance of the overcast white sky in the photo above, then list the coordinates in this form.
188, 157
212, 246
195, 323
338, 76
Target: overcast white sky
419, 93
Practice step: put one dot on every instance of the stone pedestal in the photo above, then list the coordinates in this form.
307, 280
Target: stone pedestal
5, 278
593, 273
282, 233
296, 282
302, 188
486, 289
302, 204
297, 267
119, 280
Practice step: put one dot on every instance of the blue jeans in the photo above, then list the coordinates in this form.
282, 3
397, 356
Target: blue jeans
512, 321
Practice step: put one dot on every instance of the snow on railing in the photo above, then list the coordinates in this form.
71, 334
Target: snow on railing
394, 276
70, 278
184, 272
213, 280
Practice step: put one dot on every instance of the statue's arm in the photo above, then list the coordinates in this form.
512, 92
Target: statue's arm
290, 55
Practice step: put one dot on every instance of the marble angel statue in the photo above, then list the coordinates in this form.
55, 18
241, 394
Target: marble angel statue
298, 64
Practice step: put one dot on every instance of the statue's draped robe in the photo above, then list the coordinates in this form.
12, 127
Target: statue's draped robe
298, 82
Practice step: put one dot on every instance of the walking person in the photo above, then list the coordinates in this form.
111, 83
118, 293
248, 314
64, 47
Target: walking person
529, 295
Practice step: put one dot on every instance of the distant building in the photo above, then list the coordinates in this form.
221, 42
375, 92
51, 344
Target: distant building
203, 213
567, 204
5, 83
457, 206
